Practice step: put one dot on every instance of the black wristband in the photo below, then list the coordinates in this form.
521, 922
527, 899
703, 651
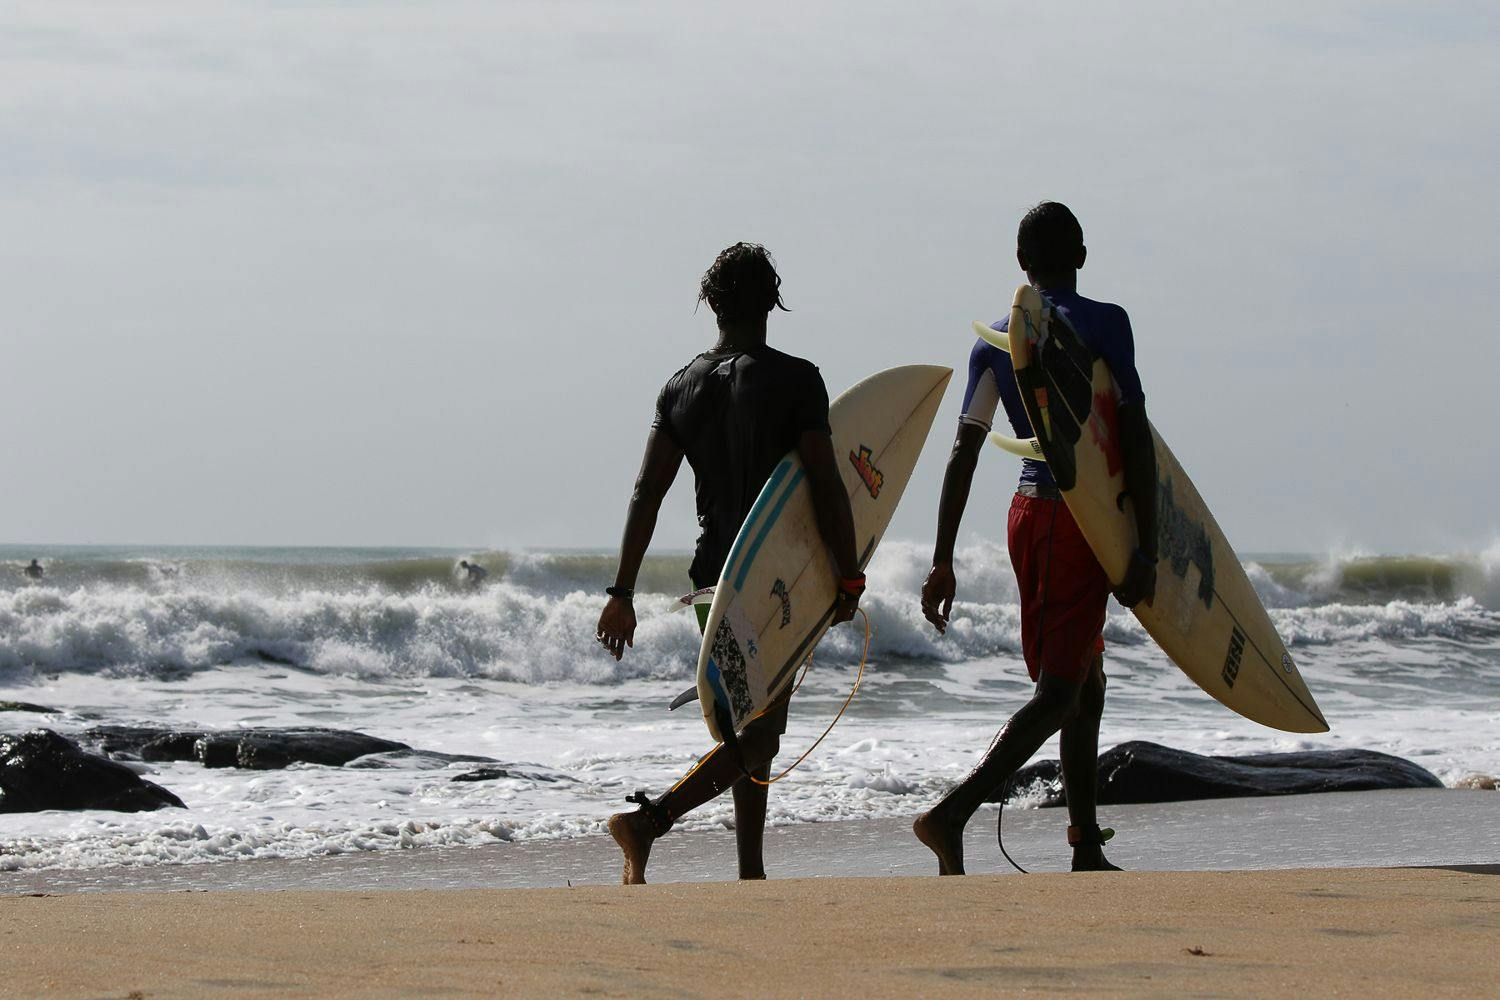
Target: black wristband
623, 593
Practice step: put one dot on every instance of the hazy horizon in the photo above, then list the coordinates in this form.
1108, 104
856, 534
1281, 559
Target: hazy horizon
385, 275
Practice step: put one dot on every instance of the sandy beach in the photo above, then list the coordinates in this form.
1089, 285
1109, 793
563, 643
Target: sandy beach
1363, 932
1272, 908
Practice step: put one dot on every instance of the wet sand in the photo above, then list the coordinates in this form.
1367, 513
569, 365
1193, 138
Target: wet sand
1364, 932
1348, 829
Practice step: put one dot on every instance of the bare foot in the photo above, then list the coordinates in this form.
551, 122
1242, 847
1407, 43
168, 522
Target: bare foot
943, 840
632, 831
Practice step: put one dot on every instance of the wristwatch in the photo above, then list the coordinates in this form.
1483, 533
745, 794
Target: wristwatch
623, 593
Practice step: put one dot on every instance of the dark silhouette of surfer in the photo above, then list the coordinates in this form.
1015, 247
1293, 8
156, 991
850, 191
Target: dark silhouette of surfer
733, 413
34, 571
474, 573
1063, 589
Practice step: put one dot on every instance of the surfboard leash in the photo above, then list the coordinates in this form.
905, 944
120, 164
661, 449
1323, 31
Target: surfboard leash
858, 677
1000, 825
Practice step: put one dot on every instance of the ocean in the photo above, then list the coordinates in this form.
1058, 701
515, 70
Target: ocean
1402, 652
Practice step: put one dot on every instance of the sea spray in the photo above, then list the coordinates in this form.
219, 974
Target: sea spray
535, 624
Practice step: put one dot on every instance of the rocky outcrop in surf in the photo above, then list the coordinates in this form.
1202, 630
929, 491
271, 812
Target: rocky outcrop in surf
252, 749
42, 770
535, 773
1139, 772
25, 706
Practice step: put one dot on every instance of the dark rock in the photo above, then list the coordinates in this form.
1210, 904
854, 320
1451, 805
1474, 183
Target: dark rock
25, 706
333, 748
172, 746
123, 742
1148, 772
496, 773
418, 760
42, 770
253, 749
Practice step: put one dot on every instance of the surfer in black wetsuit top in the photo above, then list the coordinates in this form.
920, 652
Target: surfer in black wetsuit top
34, 571
733, 413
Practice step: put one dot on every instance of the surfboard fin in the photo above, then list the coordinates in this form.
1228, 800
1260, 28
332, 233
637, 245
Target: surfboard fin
703, 596
687, 697
992, 337
1029, 448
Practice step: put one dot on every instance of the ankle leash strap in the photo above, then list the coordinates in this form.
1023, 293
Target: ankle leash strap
1092, 836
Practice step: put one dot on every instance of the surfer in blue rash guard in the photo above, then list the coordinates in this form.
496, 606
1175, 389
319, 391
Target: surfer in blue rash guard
733, 413
1063, 589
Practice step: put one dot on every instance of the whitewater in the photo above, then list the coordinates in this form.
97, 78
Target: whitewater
1402, 652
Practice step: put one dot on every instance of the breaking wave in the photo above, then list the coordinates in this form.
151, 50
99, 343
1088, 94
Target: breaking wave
533, 619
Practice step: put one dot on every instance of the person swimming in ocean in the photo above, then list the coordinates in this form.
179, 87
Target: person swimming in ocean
474, 573
1063, 589
733, 412
34, 571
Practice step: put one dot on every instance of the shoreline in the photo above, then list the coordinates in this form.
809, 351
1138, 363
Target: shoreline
1375, 829
1363, 931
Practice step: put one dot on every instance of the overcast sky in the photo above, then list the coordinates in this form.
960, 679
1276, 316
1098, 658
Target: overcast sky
413, 273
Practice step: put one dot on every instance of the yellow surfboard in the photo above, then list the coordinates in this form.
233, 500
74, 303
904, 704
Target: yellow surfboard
1205, 614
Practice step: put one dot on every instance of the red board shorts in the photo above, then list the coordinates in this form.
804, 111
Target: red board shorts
1064, 590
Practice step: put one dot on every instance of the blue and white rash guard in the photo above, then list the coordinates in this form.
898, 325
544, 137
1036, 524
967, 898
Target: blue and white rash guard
1103, 326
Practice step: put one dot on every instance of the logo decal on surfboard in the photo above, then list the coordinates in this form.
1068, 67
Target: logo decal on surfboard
731, 663
1102, 421
1184, 542
872, 477
779, 591
1232, 658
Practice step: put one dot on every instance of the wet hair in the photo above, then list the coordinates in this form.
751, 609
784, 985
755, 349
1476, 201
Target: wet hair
1050, 238
742, 283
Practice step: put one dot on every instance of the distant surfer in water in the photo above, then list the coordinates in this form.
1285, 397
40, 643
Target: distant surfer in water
474, 573
34, 571
733, 413
1063, 589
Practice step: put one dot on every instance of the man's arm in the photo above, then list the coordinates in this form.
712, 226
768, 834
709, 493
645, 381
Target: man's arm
1138, 453
658, 470
938, 591
831, 504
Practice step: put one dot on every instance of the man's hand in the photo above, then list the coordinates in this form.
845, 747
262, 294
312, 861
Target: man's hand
937, 595
617, 626
1139, 583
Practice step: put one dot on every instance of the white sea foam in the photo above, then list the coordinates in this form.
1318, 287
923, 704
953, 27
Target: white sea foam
510, 671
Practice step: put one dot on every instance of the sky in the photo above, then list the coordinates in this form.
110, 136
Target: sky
385, 273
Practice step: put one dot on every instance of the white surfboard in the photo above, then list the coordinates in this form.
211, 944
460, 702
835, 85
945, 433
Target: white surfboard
775, 597
1205, 615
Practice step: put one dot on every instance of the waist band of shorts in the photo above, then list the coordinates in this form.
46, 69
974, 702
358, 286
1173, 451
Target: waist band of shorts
1038, 492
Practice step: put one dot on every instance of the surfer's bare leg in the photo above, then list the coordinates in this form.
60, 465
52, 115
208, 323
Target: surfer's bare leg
750, 823
720, 770
1080, 768
942, 827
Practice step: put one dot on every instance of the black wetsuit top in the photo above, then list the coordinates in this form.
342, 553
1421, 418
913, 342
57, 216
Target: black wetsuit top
735, 415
